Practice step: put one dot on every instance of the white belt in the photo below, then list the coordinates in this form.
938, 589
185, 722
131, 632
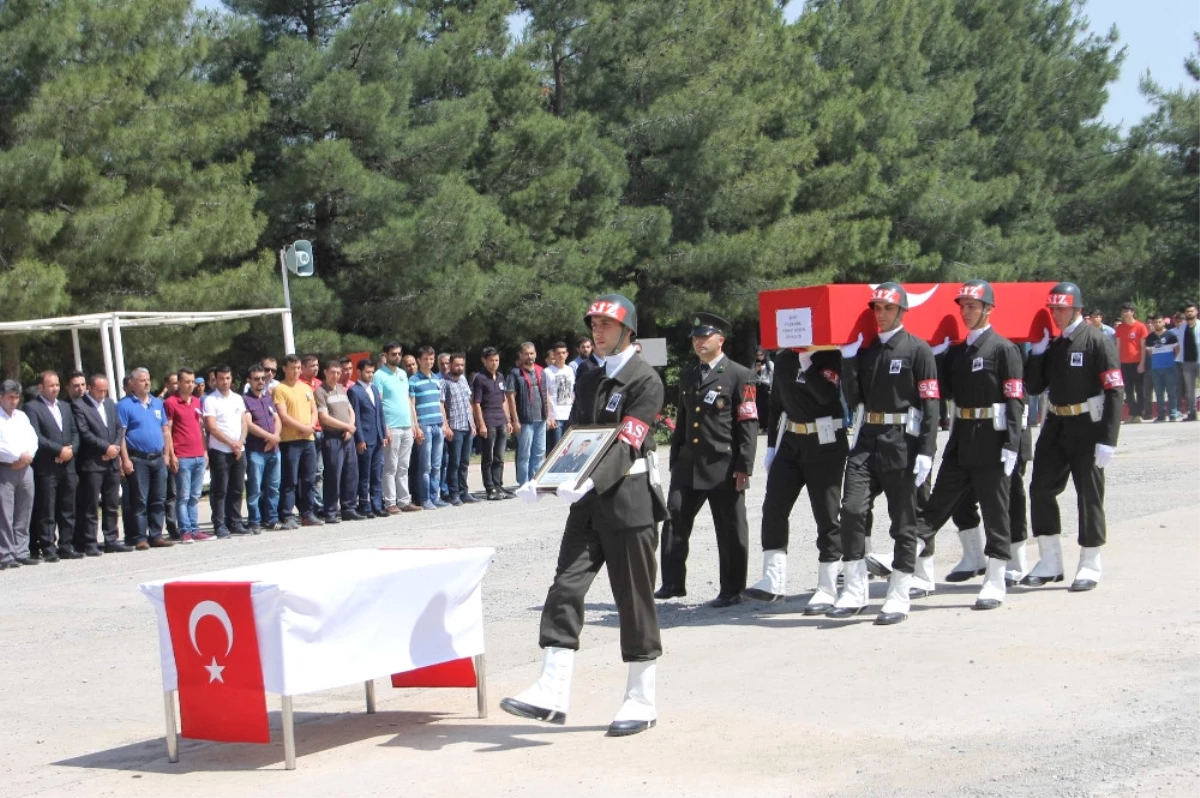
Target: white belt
811, 428
646, 465
885, 418
973, 413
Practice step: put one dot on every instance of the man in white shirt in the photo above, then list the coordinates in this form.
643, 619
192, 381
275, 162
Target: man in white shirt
18, 445
227, 422
560, 385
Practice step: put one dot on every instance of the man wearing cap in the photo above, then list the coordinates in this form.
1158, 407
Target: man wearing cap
895, 380
712, 457
806, 446
985, 381
613, 521
1082, 372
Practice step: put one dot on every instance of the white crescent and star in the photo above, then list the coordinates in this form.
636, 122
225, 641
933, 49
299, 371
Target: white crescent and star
202, 610
914, 300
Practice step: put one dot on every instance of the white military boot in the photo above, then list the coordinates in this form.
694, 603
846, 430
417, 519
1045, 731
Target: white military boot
773, 585
853, 598
896, 605
1088, 575
923, 581
1049, 566
992, 594
822, 601
550, 695
1018, 564
973, 562
637, 712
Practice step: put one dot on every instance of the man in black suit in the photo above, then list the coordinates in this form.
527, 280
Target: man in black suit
370, 439
712, 457
99, 466
54, 477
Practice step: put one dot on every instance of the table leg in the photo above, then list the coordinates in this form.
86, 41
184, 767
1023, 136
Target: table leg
370, 696
289, 735
481, 685
172, 737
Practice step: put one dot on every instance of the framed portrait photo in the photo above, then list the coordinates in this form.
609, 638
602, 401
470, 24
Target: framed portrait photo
575, 456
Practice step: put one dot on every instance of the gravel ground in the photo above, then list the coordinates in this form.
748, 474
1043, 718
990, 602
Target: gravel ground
1053, 695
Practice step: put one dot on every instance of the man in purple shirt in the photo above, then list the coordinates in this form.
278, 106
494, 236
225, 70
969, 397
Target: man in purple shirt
262, 450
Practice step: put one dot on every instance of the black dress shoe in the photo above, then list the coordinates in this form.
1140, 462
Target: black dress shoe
720, 602
963, 576
70, 554
332, 519
92, 551
28, 560
116, 548
818, 609
522, 710
889, 618
624, 728
50, 557
761, 595
919, 592
669, 591
467, 498
1037, 581
351, 515
986, 604
1082, 585
845, 612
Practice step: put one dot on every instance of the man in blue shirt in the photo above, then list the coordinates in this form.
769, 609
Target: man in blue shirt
425, 387
145, 449
1159, 362
392, 382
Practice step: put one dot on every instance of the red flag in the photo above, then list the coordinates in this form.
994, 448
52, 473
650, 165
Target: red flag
215, 641
455, 673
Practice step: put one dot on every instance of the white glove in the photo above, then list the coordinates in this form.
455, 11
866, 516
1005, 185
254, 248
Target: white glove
1104, 454
529, 492
1009, 458
922, 468
805, 361
942, 347
770, 457
572, 494
851, 349
1040, 347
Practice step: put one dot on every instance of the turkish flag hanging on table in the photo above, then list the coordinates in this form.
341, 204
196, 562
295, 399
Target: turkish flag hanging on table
215, 644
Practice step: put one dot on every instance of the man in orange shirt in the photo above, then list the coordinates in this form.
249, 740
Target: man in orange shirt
1131, 334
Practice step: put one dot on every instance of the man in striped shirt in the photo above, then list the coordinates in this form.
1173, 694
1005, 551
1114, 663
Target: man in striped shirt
456, 399
431, 430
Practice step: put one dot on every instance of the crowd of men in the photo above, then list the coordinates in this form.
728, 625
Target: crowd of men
314, 443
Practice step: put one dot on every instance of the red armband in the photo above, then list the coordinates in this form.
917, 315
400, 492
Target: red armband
1014, 389
746, 411
928, 389
831, 375
1112, 379
633, 431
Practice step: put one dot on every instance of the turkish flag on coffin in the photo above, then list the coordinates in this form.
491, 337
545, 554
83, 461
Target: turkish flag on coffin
215, 643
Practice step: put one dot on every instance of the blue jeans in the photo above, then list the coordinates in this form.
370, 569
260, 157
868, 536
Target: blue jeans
189, 484
531, 450
299, 467
262, 487
1166, 391
147, 487
459, 451
429, 465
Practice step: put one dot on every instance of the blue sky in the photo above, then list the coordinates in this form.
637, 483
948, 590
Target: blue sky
1157, 35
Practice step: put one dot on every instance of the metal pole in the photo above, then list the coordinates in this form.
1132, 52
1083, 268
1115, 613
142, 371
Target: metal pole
289, 337
289, 735
481, 685
106, 347
172, 738
118, 357
75, 348
370, 696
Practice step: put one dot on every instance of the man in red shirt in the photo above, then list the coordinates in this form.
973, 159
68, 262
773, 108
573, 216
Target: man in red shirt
1131, 334
188, 456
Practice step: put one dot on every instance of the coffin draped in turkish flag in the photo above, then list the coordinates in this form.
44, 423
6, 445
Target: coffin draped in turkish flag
215, 643
826, 315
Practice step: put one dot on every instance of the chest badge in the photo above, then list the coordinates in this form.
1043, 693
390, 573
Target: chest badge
895, 367
613, 402
710, 397
977, 364
722, 403
1077, 358
800, 377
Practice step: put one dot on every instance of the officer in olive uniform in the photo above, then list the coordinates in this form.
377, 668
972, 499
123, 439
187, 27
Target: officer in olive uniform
985, 378
712, 457
1081, 369
806, 447
895, 379
613, 520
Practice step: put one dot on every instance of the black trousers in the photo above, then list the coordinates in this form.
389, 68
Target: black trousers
226, 488
799, 462
985, 483
1066, 449
966, 514
492, 461
864, 481
53, 505
370, 478
97, 491
1135, 390
341, 474
629, 555
733, 534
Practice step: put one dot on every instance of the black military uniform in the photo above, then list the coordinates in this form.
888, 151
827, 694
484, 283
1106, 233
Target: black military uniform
1076, 368
889, 379
716, 430
614, 524
800, 458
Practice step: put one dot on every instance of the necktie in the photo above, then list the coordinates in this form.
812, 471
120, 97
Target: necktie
703, 370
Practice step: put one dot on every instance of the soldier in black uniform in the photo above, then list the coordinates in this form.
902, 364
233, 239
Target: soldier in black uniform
895, 379
806, 446
613, 520
712, 457
1079, 439
986, 384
